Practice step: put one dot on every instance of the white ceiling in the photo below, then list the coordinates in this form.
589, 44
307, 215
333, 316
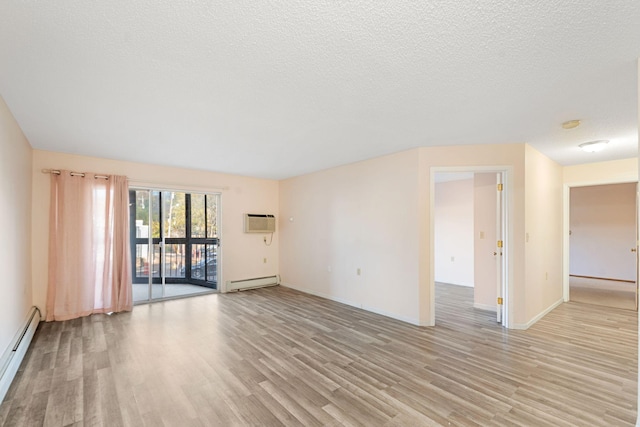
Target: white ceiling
281, 88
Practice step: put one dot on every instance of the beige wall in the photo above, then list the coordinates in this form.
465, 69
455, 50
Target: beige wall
474, 157
242, 254
360, 216
454, 212
615, 171
375, 216
15, 213
603, 231
485, 238
543, 234
371, 216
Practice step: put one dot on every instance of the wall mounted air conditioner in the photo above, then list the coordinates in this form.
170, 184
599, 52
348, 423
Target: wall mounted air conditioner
254, 223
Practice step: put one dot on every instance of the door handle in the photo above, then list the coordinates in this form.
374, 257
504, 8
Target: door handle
634, 250
495, 253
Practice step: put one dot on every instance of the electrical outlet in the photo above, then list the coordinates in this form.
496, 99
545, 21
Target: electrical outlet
482, 234
453, 259
358, 271
264, 260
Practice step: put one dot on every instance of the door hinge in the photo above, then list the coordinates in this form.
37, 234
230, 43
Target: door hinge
500, 244
499, 300
500, 187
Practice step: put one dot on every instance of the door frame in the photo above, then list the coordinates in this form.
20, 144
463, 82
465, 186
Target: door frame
155, 186
566, 223
507, 226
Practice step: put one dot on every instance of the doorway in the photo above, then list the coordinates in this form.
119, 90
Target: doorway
602, 245
174, 243
469, 235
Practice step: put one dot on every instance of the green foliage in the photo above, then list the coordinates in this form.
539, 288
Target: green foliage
174, 206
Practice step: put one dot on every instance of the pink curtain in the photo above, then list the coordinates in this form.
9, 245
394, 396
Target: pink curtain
89, 254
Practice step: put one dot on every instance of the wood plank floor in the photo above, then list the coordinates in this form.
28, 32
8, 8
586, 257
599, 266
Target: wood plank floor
279, 357
610, 293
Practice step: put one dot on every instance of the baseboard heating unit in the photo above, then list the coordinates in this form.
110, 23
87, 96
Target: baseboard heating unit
259, 282
12, 357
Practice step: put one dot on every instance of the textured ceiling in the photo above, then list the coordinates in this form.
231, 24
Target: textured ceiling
281, 88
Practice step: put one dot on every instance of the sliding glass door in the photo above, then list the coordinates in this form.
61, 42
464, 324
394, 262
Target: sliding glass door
174, 243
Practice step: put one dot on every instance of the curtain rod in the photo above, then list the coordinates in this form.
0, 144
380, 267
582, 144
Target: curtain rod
143, 183
57, 172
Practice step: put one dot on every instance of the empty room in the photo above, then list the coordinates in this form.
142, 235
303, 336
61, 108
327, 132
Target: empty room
319, 213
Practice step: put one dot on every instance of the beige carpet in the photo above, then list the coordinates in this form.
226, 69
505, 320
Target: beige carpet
608, 293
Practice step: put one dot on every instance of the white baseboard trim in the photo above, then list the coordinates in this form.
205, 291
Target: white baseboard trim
319, 294
352, 304
254, 283
14, 354
392, 315
485, 307
530, 323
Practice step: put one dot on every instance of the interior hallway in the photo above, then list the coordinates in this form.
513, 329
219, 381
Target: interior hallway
275, 356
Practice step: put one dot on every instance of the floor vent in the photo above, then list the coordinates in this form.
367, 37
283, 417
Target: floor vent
259, 282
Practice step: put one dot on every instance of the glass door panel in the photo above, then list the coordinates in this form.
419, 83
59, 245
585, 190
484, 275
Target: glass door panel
174, 261
212, 201
157, 291
203, 221
174, 214
212, 264
182, 231
198, 263
198, 217
144, 262
143, 265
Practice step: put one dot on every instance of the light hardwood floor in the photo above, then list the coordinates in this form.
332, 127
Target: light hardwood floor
171, 290
610, 293
279, 357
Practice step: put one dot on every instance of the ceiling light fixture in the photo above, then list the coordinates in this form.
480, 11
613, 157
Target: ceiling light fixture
571, 124
594, 146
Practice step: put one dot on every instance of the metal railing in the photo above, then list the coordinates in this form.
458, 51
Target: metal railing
203, 262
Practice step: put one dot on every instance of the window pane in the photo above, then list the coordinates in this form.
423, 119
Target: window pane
198, 261
142, 260
173, 205
142, 214
197, 216
155, 214
174, 258
212, 263
212, 216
